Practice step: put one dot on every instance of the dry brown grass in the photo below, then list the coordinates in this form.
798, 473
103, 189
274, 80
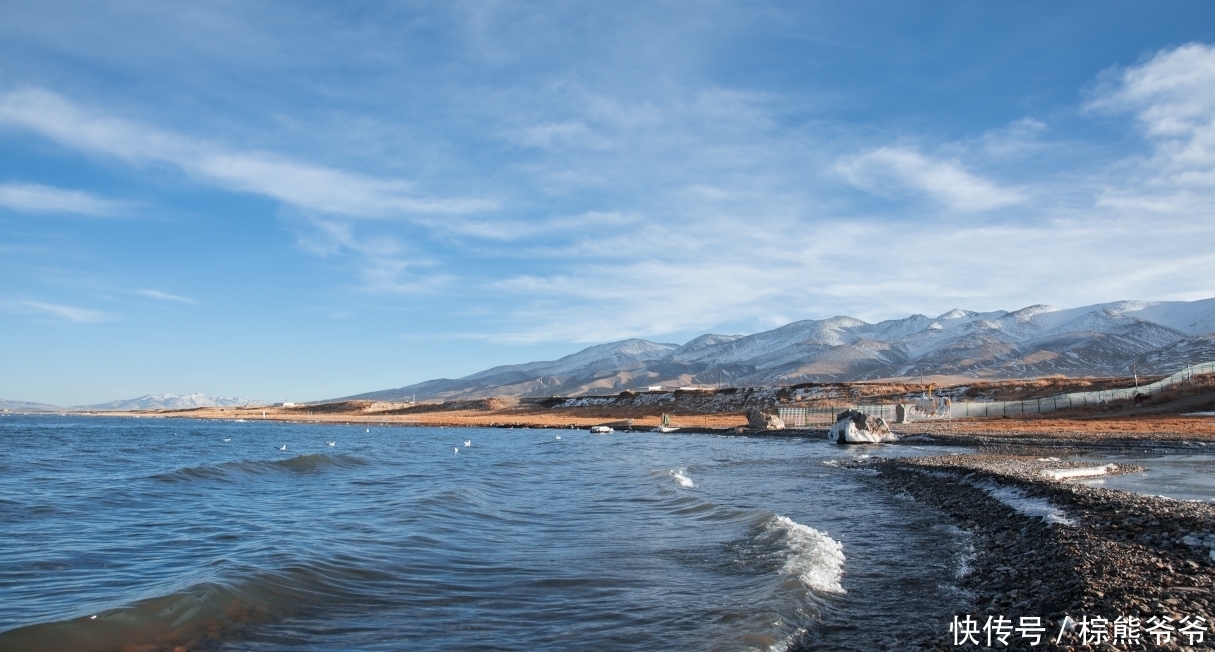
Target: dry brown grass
1156, 417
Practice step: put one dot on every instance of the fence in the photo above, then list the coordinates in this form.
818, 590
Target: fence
921, 408
943, 408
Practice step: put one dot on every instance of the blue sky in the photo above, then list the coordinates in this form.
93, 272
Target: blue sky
307, 200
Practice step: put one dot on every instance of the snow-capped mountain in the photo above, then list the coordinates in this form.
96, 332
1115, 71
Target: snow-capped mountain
171, 402
1104, 339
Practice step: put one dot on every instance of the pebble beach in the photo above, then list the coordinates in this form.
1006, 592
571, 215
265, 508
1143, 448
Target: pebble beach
1061, 565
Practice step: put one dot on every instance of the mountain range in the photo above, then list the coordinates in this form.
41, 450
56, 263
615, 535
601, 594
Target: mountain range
1109, 339
148, 402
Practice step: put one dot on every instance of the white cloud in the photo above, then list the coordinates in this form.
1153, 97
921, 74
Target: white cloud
892, 171
303, 185
1018, 138
383, 264
32, 197
1173, 96
70, 313
866, 269
569, 132
165, 296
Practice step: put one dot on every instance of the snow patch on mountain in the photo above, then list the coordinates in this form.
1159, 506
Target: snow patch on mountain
1103, 339
602, 356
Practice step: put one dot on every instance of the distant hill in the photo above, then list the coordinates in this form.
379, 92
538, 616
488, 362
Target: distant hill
1101, 340
170, 402
26, 406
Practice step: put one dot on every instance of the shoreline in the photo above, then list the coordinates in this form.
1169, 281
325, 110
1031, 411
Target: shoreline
1105, 553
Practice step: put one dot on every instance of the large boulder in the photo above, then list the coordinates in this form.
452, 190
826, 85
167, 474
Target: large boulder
757, 420
854, 427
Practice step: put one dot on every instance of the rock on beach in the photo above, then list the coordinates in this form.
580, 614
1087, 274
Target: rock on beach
853, 427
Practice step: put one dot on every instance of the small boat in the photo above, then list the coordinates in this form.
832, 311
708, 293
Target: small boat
601, 430
666, 425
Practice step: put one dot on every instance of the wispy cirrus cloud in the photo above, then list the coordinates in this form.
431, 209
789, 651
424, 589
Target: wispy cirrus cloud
897, 171
70, 313
383, 263
165, 296
300, 184
37, 198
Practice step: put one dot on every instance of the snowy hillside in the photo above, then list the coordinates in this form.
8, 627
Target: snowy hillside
26, 406
171, 402
1100, 340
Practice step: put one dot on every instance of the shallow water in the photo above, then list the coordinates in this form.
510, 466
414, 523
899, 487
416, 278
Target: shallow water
157, 531
1171, 475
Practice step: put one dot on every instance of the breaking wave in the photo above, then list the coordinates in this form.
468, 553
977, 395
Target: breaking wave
681, 476
813, 557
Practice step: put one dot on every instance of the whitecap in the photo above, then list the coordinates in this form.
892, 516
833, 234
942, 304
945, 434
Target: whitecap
811, 556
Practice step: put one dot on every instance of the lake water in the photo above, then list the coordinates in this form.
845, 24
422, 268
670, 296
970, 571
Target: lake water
162, 532
1180, 476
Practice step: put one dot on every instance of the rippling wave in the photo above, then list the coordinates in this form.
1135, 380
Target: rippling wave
521, 542
211, 610
310, 463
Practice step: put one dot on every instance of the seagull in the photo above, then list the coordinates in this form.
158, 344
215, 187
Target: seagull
558, 436
331, 443
467, 443
367, 429
283, 447
455, 450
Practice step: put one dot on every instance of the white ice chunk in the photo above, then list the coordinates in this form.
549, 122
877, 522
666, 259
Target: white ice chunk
1027, 505
1082, 472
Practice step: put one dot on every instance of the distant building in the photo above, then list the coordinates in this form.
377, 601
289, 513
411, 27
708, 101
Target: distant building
654, 388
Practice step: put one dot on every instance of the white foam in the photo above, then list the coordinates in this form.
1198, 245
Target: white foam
681, 477
812, 556
1027, 505
787, 642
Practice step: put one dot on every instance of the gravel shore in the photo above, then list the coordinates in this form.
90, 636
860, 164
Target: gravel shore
1065, 552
